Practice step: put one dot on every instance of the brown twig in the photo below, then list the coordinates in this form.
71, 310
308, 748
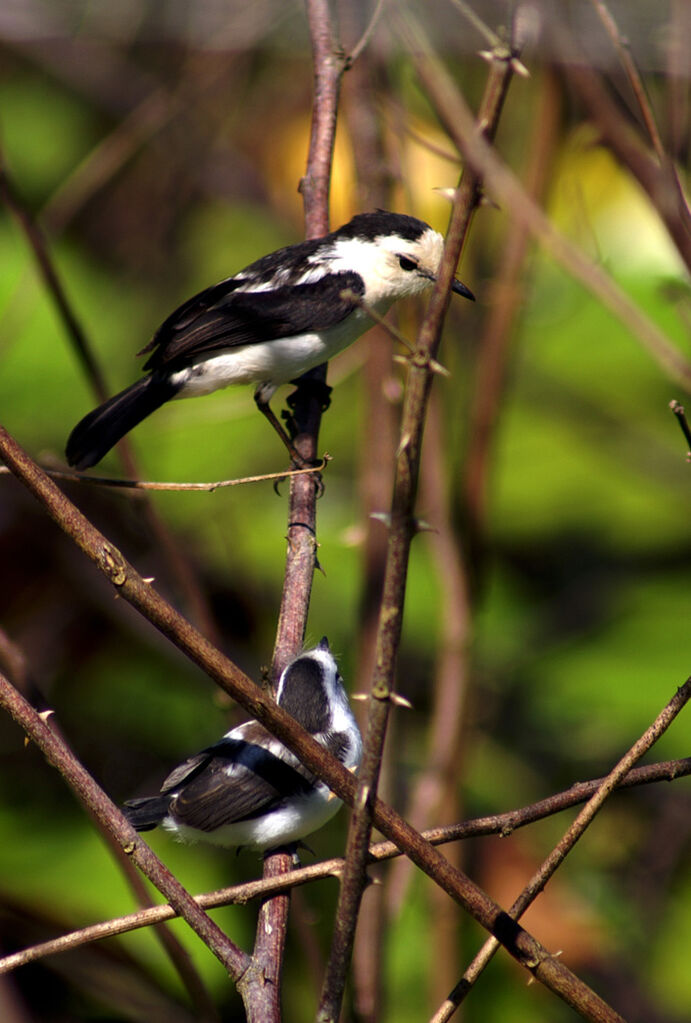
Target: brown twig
16, 667
402, 529
501, 183
680, 414
503, 824
180, 566
505, 303
207, 488
51, 279
627, 62
129, 584
260, 987
436, 794
567, 842
301, 557
108, 814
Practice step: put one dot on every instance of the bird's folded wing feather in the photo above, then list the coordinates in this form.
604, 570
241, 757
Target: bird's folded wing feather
235, 780
222, 317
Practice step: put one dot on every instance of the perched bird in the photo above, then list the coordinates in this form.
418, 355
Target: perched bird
271, 322
248, 789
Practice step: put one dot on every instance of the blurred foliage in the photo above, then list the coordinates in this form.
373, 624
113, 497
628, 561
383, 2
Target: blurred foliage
581, 631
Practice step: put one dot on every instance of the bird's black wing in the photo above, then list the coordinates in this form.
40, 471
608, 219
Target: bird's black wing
237, 779
223, 317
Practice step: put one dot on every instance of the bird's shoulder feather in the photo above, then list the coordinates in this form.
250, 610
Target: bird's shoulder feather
233, 313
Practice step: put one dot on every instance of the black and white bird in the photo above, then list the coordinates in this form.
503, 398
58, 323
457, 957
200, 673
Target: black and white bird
272, 321
248, 789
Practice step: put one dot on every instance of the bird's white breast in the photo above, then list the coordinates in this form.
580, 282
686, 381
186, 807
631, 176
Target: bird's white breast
269, 362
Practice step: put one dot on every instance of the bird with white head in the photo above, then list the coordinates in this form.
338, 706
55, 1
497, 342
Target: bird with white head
271, 322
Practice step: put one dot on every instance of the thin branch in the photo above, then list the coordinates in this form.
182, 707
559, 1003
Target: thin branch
129, 584
208, 488
401, 532
263, 1002
17, 669
680, 413
583, 820
260, 987
107, 813
175, 558
624, 53
503, 824
366, 35
494, 348
481, 27
52, 281
459, 122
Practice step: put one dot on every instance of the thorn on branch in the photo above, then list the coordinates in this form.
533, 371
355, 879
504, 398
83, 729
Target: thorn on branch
421, 526
403, 444
679, 411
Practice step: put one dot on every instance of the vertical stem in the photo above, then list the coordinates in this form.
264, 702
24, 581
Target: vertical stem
402, 529
306, 407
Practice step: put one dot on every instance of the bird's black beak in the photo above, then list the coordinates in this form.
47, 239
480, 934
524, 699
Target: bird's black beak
461, 289
323, 643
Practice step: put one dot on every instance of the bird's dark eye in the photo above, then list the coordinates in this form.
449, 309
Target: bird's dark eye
407, 264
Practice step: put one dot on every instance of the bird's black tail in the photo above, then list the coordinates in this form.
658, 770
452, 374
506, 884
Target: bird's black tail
144, 814
96, 434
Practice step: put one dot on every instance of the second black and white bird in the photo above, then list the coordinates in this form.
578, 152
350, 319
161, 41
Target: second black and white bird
248, 789
272, 321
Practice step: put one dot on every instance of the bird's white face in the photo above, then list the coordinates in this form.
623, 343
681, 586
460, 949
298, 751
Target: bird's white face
391, 267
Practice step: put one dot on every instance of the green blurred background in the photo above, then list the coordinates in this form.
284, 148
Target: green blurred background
161, 156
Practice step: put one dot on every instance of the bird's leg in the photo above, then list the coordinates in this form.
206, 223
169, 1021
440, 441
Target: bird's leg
286, 439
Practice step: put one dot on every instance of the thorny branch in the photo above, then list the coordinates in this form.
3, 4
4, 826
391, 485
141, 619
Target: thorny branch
129, 584
301, 557
502, 825
402, 529
565, 845
502, 185
92, 796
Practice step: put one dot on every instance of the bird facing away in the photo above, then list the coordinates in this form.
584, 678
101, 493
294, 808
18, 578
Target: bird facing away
272, 321
248, 789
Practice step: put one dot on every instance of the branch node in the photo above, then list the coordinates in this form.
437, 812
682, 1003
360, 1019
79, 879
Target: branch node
113, 564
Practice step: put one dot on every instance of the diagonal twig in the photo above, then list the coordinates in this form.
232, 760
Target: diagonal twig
567, 842
500, 181
107, 813
129, 584
502, 824
402, 529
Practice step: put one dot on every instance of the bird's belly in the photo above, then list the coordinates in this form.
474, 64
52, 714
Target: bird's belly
280, 826
268, 362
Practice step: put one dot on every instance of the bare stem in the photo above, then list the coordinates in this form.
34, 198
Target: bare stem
502, 184
503, 824
301, 557
680, 413
206, 488
521, 945
108, 814
567, 842
402, 529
